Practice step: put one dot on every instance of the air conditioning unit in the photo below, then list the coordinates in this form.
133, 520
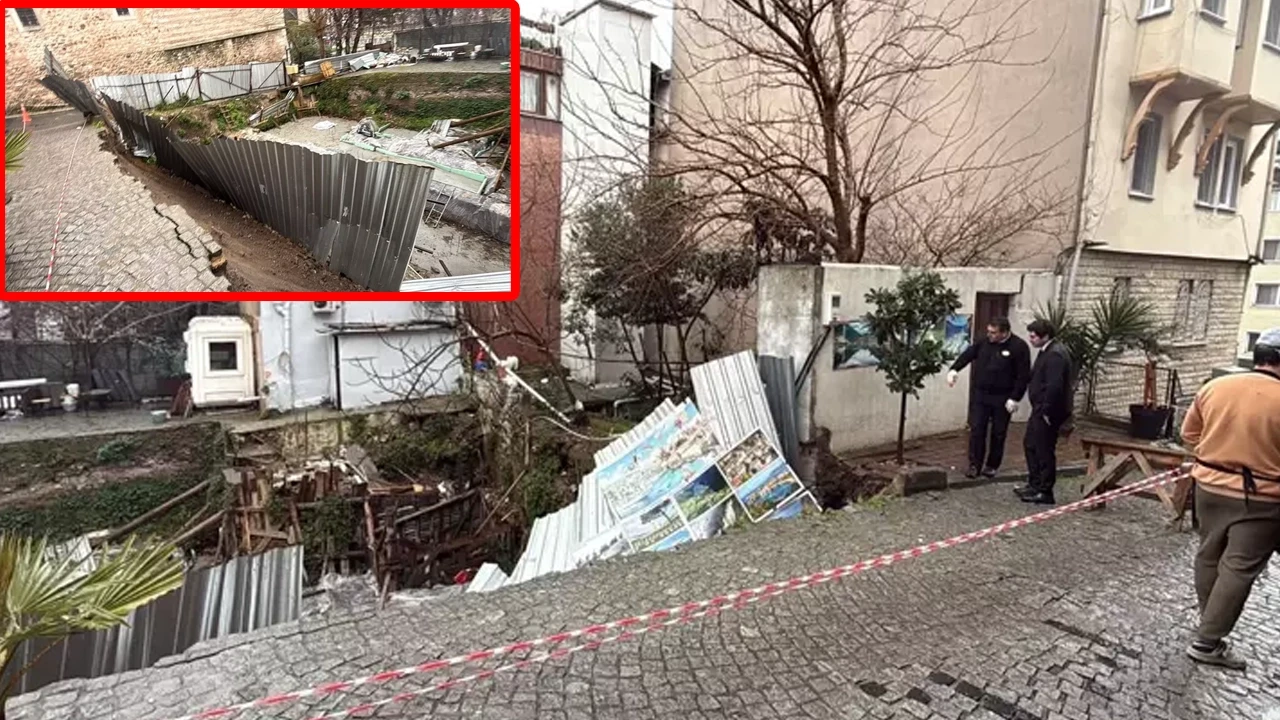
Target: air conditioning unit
325, 307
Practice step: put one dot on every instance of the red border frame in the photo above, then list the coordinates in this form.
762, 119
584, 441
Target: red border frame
514, 188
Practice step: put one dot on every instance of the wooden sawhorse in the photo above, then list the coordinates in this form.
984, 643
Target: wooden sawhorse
1111, 459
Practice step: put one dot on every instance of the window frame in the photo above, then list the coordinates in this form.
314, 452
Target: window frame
1226, 147
1149, 162
1251, 340
1262, 250
208, 352
129, 14
1257, 295
1192, 311
1271, 26
1154, 8
1214, 15
548, 107
22, 26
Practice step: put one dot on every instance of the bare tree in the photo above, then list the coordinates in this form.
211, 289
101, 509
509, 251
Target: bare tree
855, 131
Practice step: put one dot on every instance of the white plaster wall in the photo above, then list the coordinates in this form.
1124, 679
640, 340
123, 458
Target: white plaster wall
297, 357
605, 119
854, 404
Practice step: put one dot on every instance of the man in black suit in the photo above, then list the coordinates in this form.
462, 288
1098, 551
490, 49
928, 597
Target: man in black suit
1001, 369
1050, 392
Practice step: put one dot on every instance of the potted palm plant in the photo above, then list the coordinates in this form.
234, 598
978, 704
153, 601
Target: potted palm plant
1114, 325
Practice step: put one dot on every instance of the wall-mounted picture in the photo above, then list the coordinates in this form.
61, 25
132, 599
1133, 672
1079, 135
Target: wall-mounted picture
679, 537
953, 333
747, 458
681, 447
648, 528
711, 522
706, 490
796, 506
853, 342
768, 489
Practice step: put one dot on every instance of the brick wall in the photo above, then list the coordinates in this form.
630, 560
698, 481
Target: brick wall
91, 42
1207, 341
537, 311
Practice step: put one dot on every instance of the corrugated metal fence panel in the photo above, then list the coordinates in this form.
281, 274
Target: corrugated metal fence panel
358, 217
480, 282
340, 62
730, 393
779, 377
149, 90
248, 593
72, 92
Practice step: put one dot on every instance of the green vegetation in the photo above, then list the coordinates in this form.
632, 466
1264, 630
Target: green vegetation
416, 100
113, 505
15, 145
48, 598
117, 451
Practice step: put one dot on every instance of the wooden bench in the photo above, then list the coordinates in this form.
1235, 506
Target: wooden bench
1113, 459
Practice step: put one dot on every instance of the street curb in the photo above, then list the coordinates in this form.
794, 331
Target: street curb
959, 482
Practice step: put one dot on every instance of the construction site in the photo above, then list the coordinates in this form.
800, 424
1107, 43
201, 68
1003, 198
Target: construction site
378, 170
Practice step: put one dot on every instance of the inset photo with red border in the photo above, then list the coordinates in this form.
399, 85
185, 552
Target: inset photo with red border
262, 153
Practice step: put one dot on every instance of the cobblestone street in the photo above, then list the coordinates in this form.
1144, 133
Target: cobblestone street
112, 236
1084, 616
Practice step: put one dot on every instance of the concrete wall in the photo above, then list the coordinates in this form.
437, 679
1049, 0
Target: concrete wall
298, 356
854, 404
605, 117
1257, 319
91, 42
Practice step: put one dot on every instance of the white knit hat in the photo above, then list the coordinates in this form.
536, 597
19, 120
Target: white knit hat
1270, 338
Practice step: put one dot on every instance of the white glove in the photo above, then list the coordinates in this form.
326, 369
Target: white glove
951, 378
1010, 406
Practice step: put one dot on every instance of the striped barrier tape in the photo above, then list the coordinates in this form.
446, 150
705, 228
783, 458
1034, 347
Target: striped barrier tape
638, 625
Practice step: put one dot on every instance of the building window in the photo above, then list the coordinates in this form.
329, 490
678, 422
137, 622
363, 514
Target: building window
224, 356
1191, 311
1251, 341
1271, 250
1267, 295
1271, 36
1155, 7
1274, 205
1220, 182
531, 92
1120, 288
1214, 8
1241, 24
1142, 182
123, 12
553, 96
27, 17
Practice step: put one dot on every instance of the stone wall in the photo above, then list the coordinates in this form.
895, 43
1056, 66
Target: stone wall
92, 42
1210, 342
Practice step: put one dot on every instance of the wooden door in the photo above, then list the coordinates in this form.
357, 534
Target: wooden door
987, 307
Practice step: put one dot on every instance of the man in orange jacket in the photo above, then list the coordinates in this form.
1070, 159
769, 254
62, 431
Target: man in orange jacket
1234, 429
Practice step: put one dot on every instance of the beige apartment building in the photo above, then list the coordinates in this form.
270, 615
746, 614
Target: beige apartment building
1153, 117
129, 41
1262, 298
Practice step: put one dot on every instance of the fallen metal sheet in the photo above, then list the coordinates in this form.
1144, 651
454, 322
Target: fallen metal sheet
248, 593
72, 92
779, 377
482, 282
340, 62
729, 391
577, 533
445, 175
359, 218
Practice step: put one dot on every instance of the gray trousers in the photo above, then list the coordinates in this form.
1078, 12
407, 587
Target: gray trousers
1237, 540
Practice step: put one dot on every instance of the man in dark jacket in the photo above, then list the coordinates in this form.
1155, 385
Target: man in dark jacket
1001, 369
1051, 408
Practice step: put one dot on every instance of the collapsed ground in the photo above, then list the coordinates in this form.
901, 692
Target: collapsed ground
260, 259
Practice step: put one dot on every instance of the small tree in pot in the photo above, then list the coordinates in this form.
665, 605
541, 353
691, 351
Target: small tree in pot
901, 323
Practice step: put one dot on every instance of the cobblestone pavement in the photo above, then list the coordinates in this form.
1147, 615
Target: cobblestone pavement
112, 236
1083, 617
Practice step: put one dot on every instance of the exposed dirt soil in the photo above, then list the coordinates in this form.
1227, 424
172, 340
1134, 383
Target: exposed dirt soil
258, 258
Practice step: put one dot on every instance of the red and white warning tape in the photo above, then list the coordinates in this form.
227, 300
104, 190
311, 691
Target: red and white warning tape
656, 620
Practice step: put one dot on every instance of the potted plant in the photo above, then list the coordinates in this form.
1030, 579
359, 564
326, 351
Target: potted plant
1148, 419
1115, 325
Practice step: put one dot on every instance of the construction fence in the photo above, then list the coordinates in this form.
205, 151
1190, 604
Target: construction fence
357, 217
149, 91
